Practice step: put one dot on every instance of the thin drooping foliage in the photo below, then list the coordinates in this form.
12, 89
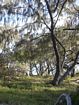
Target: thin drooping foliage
33, 36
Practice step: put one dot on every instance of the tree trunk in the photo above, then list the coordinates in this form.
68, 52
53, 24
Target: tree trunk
41, 69
69, 69
48, 69
56, 77
73, 72
30, 72
57, 74
36, 69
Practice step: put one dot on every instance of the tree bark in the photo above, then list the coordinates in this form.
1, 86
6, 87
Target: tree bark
73, 72
30, 72
57, 73
56, 77
69, 69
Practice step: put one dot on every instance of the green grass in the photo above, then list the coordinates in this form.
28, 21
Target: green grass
35, 91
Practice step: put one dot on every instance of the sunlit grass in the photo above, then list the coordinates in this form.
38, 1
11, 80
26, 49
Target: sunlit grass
33, 91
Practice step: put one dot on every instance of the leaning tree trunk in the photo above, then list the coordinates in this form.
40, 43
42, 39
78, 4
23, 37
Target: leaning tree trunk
69, 69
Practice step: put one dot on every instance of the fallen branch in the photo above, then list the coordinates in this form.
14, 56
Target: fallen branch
62, 98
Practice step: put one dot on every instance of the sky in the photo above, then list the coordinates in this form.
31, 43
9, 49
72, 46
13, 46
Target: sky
77, 2
12, 19
21, 22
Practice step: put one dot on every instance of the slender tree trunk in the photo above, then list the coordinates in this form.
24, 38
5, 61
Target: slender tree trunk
30, 72
56, 77
41, 69
48, 67
57, 74
36, 69
73, 72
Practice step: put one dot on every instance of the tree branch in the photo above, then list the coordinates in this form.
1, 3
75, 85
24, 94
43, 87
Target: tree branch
71, 29
56, 6
60, 12
46, 25
50, 13
66, 96
75, 8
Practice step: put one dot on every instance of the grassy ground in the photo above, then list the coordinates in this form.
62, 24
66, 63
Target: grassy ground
35, 91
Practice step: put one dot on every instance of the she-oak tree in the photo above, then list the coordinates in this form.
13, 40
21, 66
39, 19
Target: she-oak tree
41, 13
57, 78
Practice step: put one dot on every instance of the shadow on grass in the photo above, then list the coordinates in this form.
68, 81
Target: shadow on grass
20, 84
42, 95
28, 92
24, 97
